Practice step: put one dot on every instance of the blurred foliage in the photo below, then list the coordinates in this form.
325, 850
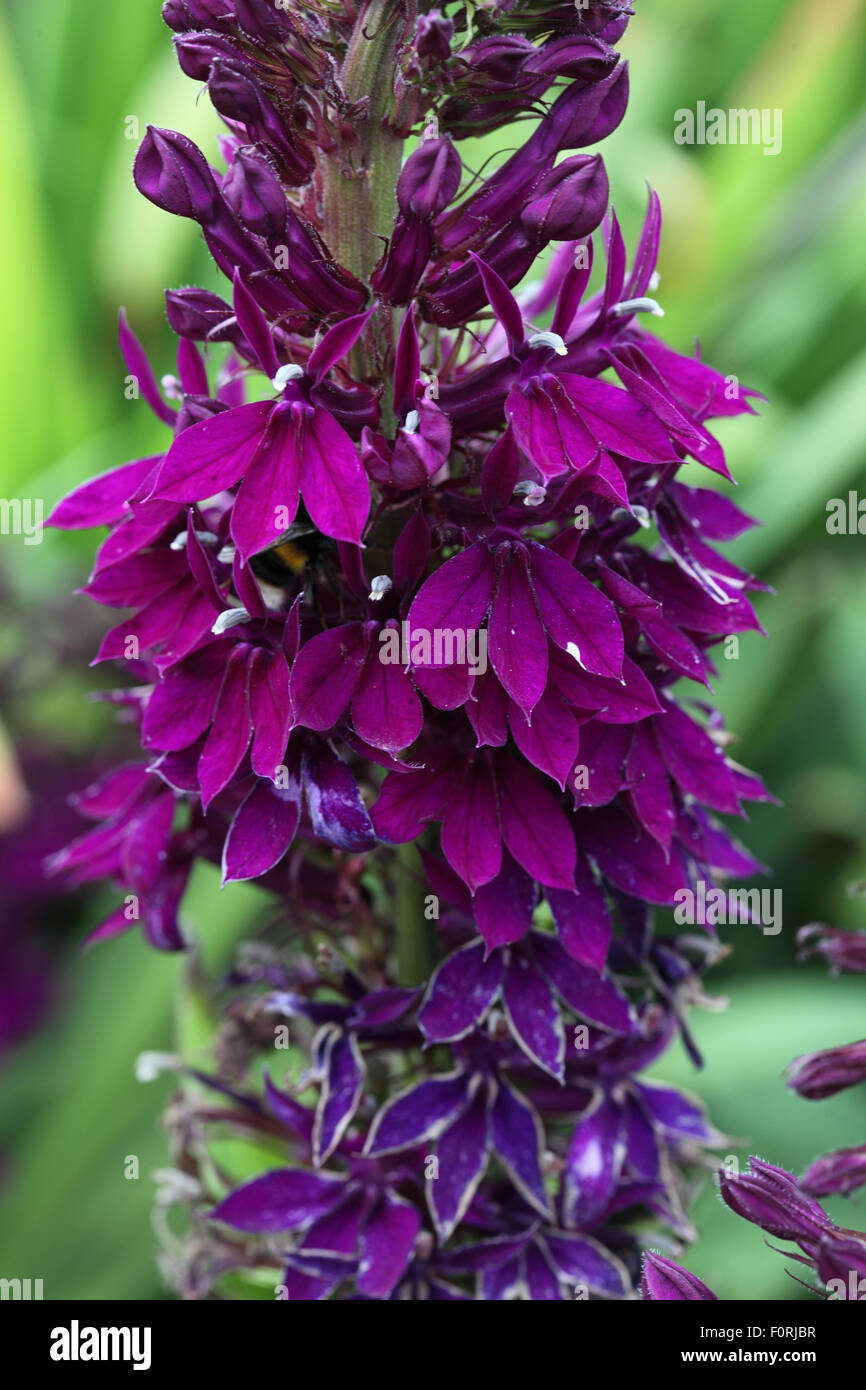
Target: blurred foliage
762, 256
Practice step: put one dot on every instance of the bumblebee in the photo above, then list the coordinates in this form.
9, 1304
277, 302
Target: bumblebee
301, 553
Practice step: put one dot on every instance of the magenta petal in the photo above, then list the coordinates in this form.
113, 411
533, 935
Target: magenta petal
533, 1015
457, 595
267, 499
386, 711
230, 732
262, 830
535, 828
271, 711
694, 761
333, 481
386, 1245
183, 702
518, 646
578, 618
460, 993
650, 792
470, 829
102, 500
211, 456
325, 674
618, 421
550, 741
408, 800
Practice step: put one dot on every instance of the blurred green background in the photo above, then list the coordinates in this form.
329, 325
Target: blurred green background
762, 257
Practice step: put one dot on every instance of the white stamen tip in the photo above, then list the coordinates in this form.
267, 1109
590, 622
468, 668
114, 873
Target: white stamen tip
654, 281
150, 1065
639, 306
533, 494
172, 387
379, 587
179, 542
290, 372
226, 555
230, 617
413, 421
550, 340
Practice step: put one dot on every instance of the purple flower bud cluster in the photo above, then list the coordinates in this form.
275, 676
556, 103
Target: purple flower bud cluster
780, 1203
417, 554
774, 1200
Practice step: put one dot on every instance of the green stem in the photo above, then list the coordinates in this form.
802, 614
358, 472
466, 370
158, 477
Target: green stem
360, 184
360, 205
416, 935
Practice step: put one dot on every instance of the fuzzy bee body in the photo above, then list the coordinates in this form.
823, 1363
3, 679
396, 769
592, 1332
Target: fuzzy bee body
301, 553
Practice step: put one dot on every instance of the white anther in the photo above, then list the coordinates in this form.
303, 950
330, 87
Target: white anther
172, 387
230, 617
290, 372
379, 586
150, 1065
654, 281
413, 421
533, 494
180, 540
551, 340
226, 555
639, 306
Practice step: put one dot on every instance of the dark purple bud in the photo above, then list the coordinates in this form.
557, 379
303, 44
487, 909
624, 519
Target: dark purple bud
429, 179
771, 1198
185, 15
253, 191
587, 113
569, 202
196, 52
261, 19
397, 274
235, 93
843, 950
203, 317
842, 1258
575, 56
820, 1074
665, 1281
238, 97
843, 1171
433, 35
173, 173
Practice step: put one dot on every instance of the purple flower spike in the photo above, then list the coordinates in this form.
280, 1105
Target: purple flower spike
407, 600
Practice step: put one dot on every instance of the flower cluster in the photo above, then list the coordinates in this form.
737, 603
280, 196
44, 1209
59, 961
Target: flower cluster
389, 450
531, 1154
